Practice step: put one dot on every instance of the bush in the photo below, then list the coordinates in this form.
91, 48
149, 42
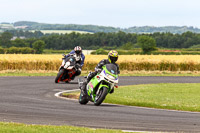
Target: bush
13, 50
1, 50
127, 46
148, 44
51, 51
27, 50
19, 50
195, 46
39, 46
100, 51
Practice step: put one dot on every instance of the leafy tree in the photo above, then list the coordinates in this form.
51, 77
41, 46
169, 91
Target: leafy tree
5, 39
39, 46
1, 50
30, 41
97, 40
101, 51
147, 43
195, 46
19, 43
127, 46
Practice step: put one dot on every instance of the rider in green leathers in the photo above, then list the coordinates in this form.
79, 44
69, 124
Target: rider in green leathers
112, 58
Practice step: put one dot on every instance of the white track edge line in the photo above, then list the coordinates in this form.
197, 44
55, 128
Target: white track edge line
67, 91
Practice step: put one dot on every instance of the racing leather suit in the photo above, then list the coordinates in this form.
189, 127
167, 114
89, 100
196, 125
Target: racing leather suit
98, 68
79, 63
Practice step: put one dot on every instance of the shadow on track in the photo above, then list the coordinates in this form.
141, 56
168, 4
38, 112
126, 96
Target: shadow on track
102, 105
68, 83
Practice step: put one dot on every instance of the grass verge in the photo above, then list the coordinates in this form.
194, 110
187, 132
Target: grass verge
23, 128
174, 96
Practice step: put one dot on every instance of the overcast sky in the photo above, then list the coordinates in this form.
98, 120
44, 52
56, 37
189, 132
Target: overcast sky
116, 13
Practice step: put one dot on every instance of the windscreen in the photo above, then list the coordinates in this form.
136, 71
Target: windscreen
72, 60
111, 68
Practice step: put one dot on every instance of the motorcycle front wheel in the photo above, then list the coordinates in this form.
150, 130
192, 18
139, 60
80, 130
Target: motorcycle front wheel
100, 96
59, 75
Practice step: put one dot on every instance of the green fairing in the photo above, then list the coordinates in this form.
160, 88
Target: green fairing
94, 82
101, 85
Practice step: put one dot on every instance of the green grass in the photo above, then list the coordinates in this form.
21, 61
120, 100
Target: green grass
85, 73
165, 96
174, 96
27, 74
161, 74
23, 128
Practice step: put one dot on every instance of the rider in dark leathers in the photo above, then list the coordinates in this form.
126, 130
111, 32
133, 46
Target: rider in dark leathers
112, 58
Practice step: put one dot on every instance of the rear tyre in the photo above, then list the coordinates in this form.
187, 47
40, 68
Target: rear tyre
83, 98
100, 96
59, 75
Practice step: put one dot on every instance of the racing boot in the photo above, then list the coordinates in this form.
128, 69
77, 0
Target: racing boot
83, 88
73, 77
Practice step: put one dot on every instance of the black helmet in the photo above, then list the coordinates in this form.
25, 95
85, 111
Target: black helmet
113, 56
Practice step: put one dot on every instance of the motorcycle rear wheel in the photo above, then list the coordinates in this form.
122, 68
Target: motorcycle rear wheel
83, 98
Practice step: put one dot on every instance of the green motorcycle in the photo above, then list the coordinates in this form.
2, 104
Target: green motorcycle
99, 86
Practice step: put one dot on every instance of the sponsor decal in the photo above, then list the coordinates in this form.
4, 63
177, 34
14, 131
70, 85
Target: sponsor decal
90, 84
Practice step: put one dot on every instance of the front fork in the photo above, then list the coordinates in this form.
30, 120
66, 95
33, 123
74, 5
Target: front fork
97, 91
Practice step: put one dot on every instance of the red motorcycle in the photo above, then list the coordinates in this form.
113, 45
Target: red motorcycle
66, 70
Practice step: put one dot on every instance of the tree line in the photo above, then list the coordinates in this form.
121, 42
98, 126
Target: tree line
112, 40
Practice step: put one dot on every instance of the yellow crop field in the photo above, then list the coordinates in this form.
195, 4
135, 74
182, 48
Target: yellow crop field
126, 62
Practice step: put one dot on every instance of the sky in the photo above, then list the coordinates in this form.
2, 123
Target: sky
115, 13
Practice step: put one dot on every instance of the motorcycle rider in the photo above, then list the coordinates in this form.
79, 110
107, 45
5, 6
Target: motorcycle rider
80, 58
112, 58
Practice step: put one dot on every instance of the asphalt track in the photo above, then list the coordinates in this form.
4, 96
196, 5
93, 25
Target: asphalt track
31, 100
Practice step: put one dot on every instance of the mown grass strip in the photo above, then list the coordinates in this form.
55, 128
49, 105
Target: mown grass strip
28, 74
174, 96
23, 128
85, 73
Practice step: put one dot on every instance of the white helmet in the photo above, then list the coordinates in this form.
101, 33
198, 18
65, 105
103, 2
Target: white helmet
78, 50
77, 57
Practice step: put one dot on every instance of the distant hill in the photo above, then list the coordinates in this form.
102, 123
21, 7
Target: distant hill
44, 26
95, 28
171, 29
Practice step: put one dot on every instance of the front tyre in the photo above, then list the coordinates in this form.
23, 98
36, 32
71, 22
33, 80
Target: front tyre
100, 96
59, 75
